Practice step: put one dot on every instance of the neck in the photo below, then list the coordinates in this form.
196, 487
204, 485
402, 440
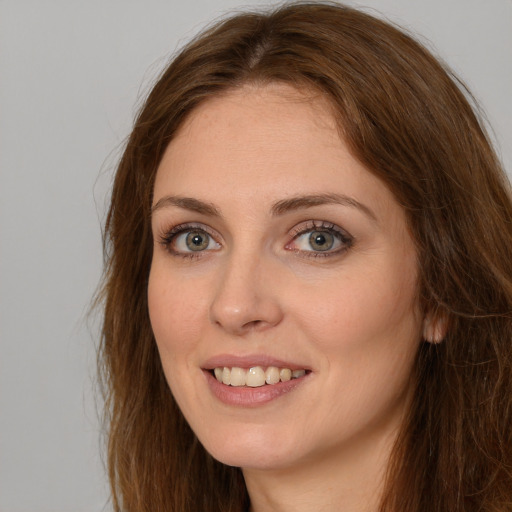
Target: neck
349, 478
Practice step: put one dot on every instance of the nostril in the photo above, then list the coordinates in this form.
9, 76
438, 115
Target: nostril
253, 324
240, 309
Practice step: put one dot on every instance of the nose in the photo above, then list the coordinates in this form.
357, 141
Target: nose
246, 297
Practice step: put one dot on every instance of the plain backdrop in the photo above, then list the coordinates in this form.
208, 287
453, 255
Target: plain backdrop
71, 75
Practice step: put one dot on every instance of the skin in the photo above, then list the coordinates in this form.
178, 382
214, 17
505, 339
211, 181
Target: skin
350, 314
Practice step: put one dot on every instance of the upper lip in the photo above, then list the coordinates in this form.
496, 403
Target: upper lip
248, 361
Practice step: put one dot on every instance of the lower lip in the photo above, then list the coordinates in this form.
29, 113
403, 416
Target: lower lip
251, 397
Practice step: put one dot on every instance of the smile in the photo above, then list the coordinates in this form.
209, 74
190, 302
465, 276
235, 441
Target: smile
256, 376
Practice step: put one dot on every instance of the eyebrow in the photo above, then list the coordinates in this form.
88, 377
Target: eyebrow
187, 203
299, 202
279, 208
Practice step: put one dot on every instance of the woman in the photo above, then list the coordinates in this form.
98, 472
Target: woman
308, 290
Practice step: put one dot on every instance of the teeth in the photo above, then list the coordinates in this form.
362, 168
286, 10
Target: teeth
285, 375
226, 376
272, 375
238, 377
256, 376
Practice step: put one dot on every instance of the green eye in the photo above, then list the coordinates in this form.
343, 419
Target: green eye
197, 240
321, 240
316, 238
191, 240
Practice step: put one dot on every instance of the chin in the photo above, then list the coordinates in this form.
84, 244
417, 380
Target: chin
254, 449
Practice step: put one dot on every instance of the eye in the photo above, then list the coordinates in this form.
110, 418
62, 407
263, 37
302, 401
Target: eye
186, 240
319, 238
192, 241
318, 241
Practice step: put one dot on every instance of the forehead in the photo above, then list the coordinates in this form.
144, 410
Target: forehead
263, 142
273, 117
279, 101
256, 124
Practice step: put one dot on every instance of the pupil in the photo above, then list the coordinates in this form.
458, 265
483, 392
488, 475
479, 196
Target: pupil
197, 241
321, 241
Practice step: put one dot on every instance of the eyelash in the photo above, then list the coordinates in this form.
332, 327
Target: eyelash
341, 235
169, 237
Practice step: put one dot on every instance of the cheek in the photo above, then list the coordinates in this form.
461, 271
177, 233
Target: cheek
368, 335
363, 313
175, 316
176, 310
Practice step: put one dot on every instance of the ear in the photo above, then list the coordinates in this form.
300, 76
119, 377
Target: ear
435, 328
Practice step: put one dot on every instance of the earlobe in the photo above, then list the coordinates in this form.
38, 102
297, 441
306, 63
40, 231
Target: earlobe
435, 328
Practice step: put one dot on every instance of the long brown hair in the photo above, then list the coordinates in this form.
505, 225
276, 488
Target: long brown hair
410, 123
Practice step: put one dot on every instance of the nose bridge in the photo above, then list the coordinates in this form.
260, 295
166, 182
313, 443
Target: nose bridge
244, 299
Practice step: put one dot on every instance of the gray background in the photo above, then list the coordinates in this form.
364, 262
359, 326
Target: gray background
72, 73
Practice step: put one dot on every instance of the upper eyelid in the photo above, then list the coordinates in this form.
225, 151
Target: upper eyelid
311, 225
167, 234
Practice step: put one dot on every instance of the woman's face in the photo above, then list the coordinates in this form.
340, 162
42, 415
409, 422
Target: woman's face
279, 258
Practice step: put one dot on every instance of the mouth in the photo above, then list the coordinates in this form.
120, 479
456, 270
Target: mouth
253, 380
255, 376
